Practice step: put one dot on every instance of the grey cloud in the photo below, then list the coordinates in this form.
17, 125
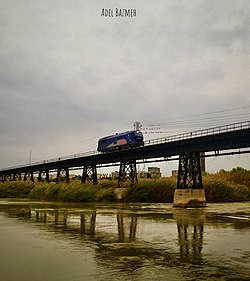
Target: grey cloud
227, 37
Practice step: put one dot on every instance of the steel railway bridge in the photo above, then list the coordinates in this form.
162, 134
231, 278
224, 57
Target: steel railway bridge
188, 147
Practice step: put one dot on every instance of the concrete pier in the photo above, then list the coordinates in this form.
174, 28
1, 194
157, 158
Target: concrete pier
185, 198
120, 193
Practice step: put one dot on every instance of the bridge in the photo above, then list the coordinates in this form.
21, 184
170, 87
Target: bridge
189, 147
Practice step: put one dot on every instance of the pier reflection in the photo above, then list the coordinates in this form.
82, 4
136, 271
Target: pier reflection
121, 226
88, 226
190, 226
64, 219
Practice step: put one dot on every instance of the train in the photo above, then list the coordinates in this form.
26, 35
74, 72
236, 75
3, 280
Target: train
120, 141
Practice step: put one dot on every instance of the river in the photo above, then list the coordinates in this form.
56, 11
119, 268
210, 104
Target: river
57, 241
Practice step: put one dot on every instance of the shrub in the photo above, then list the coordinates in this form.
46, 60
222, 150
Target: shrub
224, 186
158, 191
15, 189
217, 189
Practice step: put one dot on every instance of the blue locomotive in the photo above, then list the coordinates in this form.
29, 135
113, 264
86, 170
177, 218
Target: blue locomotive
120, 141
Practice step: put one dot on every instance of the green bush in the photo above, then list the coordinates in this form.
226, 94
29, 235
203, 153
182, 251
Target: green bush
15, 189
218, 189
224, 186
38, 192
74, 191
152, 190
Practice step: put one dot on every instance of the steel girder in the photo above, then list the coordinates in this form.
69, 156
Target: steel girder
127, 173
17, 177
189, 171
29, 176
62, 175
89, 174
43, 176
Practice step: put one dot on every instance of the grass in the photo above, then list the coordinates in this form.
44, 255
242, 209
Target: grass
224, 186
74, 191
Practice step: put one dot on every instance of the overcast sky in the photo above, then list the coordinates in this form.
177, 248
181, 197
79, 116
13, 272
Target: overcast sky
69, 76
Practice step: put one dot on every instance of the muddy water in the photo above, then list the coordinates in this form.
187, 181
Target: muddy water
49, 241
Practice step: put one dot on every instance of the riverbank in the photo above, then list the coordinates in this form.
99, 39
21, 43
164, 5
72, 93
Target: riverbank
224, 186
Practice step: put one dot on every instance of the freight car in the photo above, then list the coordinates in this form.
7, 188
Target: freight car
123, 140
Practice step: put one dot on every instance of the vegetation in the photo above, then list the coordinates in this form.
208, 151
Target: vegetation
224, 186
227, 186
152, 190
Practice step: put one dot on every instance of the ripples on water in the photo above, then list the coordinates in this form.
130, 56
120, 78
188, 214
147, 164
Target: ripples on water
50, 241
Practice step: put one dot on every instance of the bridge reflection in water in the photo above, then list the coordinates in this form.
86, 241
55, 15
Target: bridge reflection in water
188, 225
136, 238
87, 222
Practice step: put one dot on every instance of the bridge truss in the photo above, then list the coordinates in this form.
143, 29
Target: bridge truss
186, 147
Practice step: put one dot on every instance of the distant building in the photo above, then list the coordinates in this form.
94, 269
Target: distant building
144, 175
103, 177
115, 175
155, 172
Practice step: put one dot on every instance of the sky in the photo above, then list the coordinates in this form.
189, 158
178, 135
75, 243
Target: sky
69, 76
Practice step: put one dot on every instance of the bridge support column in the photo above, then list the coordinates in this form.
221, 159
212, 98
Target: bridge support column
29, 176
7, 177
43, 176
189, 191
127, 173
62, 175
127, 177
17, 177
89, 174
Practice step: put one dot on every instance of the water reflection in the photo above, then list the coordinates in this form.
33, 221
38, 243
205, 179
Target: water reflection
132, 227
78, 222
190, 225
131, 240
88, 227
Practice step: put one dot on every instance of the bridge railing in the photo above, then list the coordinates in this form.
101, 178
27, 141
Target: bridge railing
201, 133
89, 153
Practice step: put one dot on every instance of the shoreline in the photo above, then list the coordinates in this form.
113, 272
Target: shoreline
221, 187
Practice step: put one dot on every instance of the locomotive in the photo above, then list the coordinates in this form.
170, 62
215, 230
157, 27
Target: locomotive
123, 140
